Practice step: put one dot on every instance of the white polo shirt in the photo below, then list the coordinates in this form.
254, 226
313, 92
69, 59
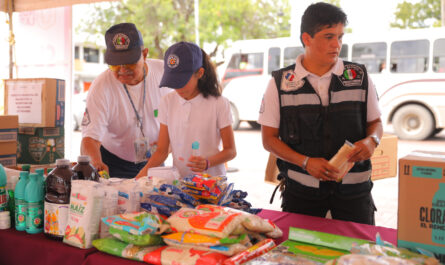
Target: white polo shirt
110, 118
270, 106
199, 119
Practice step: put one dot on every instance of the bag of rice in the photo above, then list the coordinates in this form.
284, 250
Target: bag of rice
184, 256
118, 248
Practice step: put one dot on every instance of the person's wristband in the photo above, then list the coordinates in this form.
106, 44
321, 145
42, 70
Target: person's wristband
207, 164
304, 165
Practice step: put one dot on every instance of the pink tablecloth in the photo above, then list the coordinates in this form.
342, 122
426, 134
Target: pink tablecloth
285, 220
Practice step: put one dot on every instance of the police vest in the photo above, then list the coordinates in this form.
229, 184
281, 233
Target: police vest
315, 130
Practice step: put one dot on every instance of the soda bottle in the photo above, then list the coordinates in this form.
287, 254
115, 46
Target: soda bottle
3, 198
20, 204
84, 170
34, 200
57, 199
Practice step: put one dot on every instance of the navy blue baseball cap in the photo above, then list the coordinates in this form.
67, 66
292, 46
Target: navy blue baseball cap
124, 43
181, 60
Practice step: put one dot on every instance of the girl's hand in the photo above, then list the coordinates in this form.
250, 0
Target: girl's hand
197, 163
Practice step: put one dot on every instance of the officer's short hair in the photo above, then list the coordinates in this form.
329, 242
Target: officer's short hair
319, 16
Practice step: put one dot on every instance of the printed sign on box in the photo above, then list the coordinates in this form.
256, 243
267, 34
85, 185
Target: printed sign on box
421, 215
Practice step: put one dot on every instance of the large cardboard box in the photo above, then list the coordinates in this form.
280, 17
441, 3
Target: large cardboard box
8, 128
8, 153
39, 102
421, 215
40, 145
384, 161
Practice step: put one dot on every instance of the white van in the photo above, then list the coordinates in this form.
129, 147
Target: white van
411, 90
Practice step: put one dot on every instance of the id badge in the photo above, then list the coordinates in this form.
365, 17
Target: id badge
140, 149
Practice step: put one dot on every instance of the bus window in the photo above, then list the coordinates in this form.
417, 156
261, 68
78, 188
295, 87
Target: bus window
290, 54
344, 52
439, 56
273, 60
244, 64
372, 55
409, 56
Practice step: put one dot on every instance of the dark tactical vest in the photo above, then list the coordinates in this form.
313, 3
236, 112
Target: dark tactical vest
315, 130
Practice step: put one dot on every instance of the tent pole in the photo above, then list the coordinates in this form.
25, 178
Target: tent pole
11, 40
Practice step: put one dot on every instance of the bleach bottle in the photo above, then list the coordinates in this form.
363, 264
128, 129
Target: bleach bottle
3, 197
34, 200
20, 204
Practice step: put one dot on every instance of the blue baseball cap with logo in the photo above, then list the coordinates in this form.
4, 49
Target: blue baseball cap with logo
124, 42
181, 60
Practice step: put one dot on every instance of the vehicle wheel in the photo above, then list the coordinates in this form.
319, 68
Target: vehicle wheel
235, 117
413, 122
254, 124
436, 131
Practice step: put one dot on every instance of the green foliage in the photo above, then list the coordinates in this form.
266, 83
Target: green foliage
423, 14
164, 22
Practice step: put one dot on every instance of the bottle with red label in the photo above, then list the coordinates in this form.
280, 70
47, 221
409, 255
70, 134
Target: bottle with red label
34, 201
57, 199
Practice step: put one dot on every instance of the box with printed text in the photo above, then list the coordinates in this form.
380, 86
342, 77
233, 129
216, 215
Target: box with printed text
421, 213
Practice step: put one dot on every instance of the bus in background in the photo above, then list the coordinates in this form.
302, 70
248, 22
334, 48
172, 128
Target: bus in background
407, 67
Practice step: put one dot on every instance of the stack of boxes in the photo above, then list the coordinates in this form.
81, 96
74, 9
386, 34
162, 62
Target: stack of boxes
8, 139
40, 106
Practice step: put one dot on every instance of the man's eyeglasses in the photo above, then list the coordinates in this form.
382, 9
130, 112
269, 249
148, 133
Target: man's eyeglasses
116, 68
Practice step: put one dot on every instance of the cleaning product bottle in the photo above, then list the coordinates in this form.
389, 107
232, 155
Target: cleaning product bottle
3, 197
26, 167
195, 148
41, 177
57, 199
84, 170
12, 180
34, 201
20, 204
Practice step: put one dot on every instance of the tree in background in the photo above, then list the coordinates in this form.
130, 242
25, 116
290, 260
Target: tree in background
164, 22
423, 14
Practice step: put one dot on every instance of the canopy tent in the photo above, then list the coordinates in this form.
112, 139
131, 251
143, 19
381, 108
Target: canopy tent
10, 6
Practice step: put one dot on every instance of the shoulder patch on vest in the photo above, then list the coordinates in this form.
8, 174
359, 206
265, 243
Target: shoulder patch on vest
352, 76
289, 81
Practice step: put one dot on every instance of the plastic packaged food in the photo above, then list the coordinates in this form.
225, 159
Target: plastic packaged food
254, 251
136, 223
138, 240
121, 249
188, 256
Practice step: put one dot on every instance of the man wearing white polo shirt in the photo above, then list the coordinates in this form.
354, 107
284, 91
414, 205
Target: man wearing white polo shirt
120, 122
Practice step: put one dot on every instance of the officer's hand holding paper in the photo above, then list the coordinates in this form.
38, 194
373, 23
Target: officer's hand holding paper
341, 159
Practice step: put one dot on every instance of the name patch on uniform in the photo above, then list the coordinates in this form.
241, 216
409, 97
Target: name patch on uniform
289, 81
352, 76
86, 118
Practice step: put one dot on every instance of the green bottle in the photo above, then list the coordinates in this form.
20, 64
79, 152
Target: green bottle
26, 167
34, 200
20, 204
41, 177
3, 197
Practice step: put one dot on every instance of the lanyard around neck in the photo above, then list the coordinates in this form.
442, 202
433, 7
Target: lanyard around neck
140, 122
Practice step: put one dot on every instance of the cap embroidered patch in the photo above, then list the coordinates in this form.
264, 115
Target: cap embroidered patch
173, 61
121, 41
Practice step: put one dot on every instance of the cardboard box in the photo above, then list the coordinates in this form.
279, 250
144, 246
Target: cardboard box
384, 161
8, 128
8, 153
39, 102
40, 145
421, 213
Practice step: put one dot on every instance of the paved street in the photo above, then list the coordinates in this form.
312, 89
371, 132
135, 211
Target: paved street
251, 162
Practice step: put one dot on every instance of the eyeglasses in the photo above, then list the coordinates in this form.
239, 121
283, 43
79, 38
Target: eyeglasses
116, 68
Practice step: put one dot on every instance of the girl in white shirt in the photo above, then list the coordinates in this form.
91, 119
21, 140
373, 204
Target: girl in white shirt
194, 112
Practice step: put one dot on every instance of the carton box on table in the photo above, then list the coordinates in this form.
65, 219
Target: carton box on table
39, 102
421, 213
40, 145
8, 153
384, 161
8, 128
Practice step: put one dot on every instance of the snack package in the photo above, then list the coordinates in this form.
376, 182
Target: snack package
274, 258
129, 199
391, 251
340, 159
136, 223
225, 249
138, 240
202, 240
357, 259
254, 251
84, 213
109, 207
118, 248
217, 224
187, 256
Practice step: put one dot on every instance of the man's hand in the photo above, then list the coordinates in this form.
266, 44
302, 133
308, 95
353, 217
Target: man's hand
99, 165
363, 150
321, 169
